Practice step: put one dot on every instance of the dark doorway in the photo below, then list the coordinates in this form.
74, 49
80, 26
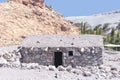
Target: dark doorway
57, 59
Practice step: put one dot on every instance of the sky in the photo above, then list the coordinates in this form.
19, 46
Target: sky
82, 7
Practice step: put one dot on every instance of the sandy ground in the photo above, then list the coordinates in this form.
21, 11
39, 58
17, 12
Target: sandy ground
110, 70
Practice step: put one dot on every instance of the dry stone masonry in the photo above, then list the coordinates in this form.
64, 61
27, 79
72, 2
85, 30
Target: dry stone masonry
65, 50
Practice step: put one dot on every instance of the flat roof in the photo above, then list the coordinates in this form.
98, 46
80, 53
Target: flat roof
62, 41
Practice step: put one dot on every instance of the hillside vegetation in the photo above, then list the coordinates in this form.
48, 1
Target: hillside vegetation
113, 37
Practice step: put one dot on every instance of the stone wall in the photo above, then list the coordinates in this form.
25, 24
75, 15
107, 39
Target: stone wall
88, 56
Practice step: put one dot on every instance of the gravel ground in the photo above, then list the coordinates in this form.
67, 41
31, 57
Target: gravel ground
110, 70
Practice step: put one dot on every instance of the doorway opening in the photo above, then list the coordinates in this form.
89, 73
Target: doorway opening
58, 59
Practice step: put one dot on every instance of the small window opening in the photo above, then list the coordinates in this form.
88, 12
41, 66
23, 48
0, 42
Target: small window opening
70, 53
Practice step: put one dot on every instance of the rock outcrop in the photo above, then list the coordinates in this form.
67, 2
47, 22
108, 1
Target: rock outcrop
30, 2
18, 20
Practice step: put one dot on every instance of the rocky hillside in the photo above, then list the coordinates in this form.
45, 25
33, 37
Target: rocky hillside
111, 18
19, 18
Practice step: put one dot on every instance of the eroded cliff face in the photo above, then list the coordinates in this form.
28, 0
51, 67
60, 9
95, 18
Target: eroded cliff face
18, 20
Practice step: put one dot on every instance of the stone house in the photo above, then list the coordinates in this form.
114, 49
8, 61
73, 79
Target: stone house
74, 50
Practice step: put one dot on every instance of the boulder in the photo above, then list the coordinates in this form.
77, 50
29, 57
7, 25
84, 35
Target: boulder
52, 68
68, 68
30, 65
113, 68
61, 68
75, 71
86, 73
